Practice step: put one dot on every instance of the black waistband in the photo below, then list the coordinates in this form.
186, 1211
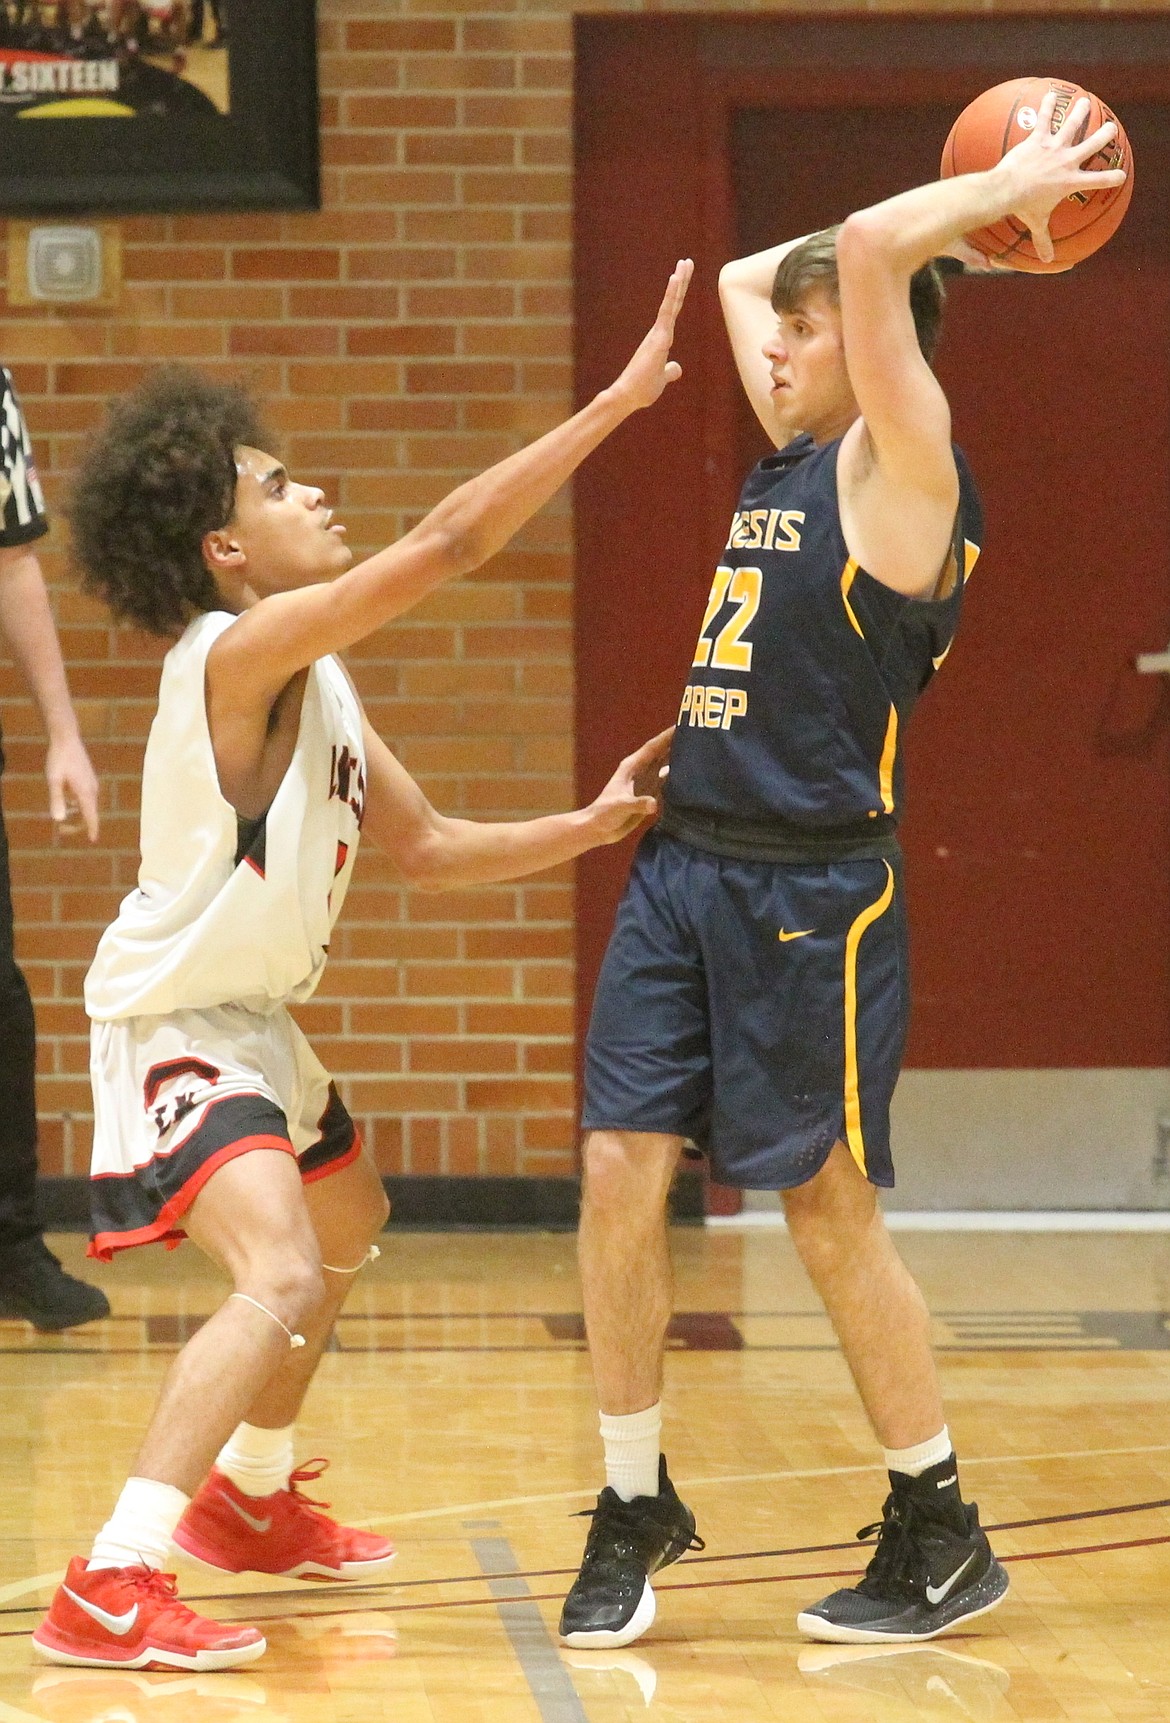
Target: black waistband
782, 840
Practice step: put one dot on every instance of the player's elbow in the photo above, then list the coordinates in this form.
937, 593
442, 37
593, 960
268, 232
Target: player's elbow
735, 293
872, 247
426, 861
728, 281
452, 549
863, 238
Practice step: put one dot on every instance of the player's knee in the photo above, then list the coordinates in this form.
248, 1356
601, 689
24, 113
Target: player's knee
370, 1212
380, 1213
820, 1242
830, 1217
374, 1204
619, 1182
291, 1284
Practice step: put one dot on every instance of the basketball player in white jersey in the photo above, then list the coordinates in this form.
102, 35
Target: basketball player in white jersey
213, 1119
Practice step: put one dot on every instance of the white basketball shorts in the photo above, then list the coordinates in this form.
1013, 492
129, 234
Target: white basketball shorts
176, 1097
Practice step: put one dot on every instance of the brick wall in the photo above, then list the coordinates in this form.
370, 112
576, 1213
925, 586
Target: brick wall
414, 330
409, 334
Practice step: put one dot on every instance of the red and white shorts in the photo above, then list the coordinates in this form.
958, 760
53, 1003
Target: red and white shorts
176, 1097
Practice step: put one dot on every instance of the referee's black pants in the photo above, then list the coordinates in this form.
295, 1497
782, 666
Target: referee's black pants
18, 1054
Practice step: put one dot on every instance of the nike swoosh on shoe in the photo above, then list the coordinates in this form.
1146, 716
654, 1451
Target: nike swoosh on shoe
935, 1594
118, 1624
248, 1519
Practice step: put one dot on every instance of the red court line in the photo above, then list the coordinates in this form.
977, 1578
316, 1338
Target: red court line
706, 1584
685, 1585
367, 1590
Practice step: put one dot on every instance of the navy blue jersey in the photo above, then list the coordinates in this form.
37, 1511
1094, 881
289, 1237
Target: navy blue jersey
807, 668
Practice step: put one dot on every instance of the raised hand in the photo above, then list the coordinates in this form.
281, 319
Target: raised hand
1048, 166
652, 368
624, 803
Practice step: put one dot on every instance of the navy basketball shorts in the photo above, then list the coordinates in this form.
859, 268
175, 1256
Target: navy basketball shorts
757, 1008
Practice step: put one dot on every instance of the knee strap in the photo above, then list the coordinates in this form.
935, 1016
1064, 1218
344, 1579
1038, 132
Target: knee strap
294, 1340
371, 1255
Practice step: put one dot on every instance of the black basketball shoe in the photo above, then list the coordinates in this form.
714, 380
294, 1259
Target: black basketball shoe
33, 1285
611, 1602
932, 1568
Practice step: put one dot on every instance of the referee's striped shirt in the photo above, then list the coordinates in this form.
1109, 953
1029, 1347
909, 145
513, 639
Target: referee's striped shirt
22, 503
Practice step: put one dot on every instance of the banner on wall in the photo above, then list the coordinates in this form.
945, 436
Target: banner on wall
116, 59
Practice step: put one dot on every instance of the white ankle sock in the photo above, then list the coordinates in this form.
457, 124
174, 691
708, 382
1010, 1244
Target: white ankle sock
915, 1461
140, 1527
632, 1445
258, 1461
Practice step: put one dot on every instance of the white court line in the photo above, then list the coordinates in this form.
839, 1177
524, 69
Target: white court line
20, 1586
978, 1220
473, 1510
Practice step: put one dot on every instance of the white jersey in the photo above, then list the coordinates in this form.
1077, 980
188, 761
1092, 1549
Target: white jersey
231, 912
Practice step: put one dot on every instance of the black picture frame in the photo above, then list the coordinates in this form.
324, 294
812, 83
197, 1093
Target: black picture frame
263, 155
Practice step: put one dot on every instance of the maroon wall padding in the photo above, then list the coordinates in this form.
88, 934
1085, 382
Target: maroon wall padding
638, 501
1038, 832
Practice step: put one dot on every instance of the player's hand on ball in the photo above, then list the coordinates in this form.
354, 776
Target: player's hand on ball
629, 798
973, 260
1047, 167
652, 368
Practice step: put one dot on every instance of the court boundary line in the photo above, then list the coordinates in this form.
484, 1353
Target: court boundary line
675, 1585
470, 1510
533, 1646
974, 1220
356, 1592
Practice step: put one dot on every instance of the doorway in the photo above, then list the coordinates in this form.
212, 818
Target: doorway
1038, 827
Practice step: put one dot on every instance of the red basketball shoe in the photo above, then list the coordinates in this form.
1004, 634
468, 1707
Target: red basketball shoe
132, 1617
284, 1533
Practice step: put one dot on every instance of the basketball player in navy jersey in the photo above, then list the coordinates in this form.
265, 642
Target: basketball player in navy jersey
212, 1117
753, 998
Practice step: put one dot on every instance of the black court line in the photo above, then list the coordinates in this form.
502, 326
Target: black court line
1065, 1348
1041, 1331
989, 1317
676, 1585
379, 1590
761, 1579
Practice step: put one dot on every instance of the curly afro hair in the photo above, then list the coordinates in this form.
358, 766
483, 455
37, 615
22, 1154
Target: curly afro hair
158, 476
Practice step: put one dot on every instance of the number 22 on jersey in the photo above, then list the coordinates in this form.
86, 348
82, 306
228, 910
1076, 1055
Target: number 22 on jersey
730, 651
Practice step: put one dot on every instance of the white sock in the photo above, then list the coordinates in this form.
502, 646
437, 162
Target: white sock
632, 1444
257, 1461
139, 1529
915, 1461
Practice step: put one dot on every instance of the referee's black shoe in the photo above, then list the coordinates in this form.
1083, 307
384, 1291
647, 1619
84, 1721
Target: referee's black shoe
33, 1285
611, 1602
932, 1569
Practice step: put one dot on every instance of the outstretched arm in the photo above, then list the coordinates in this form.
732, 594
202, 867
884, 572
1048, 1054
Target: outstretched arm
745, 293
879, 249
437, 853
283, 633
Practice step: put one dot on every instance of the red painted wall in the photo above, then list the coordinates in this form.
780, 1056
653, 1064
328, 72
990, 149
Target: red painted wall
1038, 841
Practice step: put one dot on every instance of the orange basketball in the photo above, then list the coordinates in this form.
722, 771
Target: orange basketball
1002, 117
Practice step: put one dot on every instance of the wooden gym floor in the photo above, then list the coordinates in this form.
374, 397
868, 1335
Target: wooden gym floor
457, 1411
